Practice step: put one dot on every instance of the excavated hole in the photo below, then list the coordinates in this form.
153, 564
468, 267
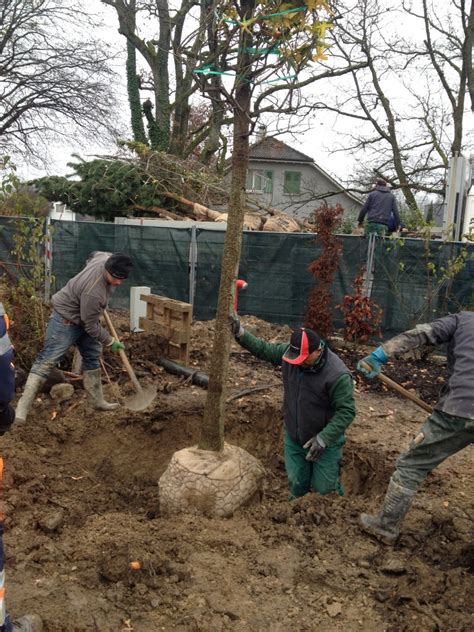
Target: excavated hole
364, 472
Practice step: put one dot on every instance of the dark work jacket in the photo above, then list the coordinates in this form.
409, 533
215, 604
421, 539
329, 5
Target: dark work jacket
307, 404
457, 330
379, 207
7, 372
7, 375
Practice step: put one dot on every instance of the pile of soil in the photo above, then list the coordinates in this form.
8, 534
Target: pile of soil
88, 549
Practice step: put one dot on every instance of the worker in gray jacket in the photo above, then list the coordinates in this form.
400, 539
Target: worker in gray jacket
381, 210
447, 430
75, 320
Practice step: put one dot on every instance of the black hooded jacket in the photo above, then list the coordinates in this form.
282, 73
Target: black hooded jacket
379, 207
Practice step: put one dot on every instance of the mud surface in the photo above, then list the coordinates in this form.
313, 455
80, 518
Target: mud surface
81, 499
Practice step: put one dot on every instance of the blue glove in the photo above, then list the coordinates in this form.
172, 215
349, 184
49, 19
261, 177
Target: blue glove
375, 361
316, 448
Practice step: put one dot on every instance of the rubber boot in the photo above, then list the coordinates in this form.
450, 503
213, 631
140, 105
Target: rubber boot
93, 385
32, 386
386, 525
28, 623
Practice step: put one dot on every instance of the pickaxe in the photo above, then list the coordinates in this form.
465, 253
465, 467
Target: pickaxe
240, 284
403, 391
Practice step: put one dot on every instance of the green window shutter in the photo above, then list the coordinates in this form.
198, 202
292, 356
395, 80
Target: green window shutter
292, 182
268, 182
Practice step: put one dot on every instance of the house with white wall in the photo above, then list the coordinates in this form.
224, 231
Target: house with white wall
284, 178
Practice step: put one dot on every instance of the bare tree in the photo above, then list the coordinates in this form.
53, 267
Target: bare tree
406, 107
268, 48
467, 54
53, 83
170, 82
448, 45
185, 40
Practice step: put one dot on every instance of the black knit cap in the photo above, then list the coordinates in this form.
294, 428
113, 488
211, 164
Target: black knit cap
119, 265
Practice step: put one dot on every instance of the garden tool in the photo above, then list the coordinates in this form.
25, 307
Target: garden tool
144, 396
240, 284
403, 391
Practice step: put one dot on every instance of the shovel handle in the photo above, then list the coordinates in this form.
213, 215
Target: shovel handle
123, 355
403, 391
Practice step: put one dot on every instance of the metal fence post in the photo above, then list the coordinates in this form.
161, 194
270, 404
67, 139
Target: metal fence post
192, 263
48, 260
370, 265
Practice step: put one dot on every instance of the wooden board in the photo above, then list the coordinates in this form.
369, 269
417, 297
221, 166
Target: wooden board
170, 319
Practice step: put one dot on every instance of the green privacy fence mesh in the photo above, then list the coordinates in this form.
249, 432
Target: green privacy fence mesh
160, 255
412, 280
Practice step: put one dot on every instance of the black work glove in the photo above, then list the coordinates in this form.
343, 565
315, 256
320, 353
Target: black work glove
235, 327
316, 448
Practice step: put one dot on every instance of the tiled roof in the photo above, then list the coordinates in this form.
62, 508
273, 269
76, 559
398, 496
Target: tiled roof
272, 149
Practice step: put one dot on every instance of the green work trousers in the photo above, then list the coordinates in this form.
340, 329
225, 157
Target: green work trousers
373, 227
321, 476
440, 436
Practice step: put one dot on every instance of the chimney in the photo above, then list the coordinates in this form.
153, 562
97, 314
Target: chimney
261, 132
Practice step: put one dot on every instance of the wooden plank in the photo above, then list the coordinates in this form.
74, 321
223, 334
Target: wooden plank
172, 335
154, 299
179, 353
152, 326
164, 301
177, 320
171, 320
177, 306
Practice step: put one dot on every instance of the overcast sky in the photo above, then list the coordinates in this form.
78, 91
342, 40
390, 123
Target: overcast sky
319, 141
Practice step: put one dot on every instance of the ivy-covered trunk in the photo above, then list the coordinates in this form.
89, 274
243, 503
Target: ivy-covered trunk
136, 114
212, 432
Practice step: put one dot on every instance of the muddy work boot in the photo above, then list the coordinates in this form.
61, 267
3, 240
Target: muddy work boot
28, 623
32, 386
93, 385
385, 526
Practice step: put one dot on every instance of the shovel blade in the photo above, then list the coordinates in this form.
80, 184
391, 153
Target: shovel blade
142, 399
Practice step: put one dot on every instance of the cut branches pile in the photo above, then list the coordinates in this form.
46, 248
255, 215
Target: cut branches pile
154, 184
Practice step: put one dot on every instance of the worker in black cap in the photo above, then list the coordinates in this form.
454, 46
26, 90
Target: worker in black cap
77, 309
318, 406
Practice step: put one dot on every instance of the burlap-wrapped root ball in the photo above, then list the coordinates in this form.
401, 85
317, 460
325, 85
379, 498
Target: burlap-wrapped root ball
210, 483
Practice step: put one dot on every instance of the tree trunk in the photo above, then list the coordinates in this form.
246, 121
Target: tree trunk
138, 128
156, 56
468, 46
213, 141
212, 432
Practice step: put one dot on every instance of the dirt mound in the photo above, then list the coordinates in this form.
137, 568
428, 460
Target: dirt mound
88, 548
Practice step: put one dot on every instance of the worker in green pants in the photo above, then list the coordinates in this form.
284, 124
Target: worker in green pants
318, 406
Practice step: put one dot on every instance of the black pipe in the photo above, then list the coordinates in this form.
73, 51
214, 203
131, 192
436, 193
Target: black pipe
197, 377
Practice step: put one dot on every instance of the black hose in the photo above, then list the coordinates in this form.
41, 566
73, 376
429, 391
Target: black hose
197, 377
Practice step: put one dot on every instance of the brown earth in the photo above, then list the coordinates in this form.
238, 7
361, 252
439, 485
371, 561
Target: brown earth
81, 498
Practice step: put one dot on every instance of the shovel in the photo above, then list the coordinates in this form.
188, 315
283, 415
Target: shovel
144, 396
403, 391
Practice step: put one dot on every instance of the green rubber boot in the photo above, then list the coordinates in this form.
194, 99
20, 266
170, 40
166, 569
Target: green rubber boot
32, 386
93, 386
385, 526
